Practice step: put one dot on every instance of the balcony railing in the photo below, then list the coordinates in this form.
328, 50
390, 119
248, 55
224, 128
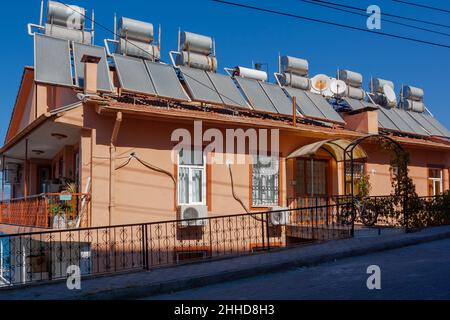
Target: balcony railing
50, 210
46, 255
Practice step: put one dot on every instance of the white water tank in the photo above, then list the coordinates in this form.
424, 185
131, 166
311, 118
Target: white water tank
69, 16
136, 30
196, 43
413, 93
250, 73
295, 81
294, 65
351, 78
197, 61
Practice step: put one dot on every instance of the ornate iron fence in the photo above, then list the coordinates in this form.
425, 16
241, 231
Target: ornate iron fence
45, 256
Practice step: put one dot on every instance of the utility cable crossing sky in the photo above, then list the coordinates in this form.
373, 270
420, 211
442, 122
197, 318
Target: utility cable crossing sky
291, 15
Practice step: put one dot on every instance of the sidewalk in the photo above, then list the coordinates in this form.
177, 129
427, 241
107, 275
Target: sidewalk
144, 284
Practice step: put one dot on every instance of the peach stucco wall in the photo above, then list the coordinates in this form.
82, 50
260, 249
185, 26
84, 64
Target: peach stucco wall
378, 168
143, 195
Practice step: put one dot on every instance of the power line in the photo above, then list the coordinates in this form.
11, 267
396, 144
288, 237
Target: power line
383, 19
422, 6
332, 23
387, 14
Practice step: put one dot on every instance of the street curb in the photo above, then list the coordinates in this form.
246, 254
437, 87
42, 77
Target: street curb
146, 290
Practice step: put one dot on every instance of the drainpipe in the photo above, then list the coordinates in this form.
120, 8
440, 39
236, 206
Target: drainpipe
112, 165
25, 171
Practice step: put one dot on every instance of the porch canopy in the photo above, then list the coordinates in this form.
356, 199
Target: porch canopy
335, 147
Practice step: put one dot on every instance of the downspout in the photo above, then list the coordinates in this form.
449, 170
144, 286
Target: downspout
112, 166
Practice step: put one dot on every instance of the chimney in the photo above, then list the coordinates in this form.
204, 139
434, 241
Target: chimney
365, 122
90, 73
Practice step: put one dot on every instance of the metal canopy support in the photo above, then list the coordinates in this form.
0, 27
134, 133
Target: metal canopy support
349, 153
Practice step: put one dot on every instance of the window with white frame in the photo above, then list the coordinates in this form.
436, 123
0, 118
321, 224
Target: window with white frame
435, 185
265, 181
191, 178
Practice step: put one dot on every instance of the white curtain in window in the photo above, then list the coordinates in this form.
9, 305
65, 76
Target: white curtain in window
197, 179
183, 185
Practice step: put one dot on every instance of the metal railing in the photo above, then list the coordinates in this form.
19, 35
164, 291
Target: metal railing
50, 210
45, 256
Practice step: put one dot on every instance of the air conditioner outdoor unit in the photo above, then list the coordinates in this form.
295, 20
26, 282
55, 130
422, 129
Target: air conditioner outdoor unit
280, 217
191, 215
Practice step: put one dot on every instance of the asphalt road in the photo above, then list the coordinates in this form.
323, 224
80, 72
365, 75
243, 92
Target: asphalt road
417, 272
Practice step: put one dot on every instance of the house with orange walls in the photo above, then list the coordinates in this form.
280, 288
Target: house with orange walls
110, 158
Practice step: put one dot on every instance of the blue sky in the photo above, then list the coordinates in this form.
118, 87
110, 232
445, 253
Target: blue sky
243, 36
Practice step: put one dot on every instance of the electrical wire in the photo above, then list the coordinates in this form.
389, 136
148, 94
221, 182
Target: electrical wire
422, 6
385, 14
383, 19
147, 165
291, 15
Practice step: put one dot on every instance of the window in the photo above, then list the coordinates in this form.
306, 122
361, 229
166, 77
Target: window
191, 178
435, 185
311, 182
358, 173
265, 181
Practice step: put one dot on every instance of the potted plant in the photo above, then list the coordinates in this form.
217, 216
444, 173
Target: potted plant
62, 208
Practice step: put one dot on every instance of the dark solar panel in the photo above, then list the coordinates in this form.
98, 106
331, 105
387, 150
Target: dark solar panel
256, 95
103, 75
325, 107
278, 98
306, 106
227, 90
133, 75
52, 61
165, 81
200, 86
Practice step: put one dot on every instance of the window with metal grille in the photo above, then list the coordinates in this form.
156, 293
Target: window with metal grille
265, 181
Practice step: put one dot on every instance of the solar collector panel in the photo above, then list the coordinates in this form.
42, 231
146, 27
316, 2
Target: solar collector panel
52, 61
420, 119
386, 122
307, 108
354, 104
133, 75
281, 101
325, 107
165, 81
256, 95
434, 122
200, 86
411, 122
397, 120
103, 75
227, 90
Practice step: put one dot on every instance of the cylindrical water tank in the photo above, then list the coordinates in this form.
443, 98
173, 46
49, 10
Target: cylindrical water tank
197, 61
351, 78
355, 93
136, 30
139, 49
413, 93
196, 43
294, 65
69, 16
416, 106
251, 73
379, 83
295, 81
